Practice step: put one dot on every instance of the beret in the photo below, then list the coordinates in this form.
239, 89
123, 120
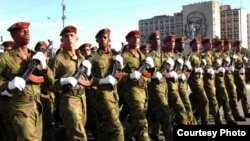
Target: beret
85, 45
8, 43
103, 31
41, 44
145, 46
18, 25
132, 33
180, 39
170, 38
154, 34
206, 40
195, 40
219, 42
67, 29
227, 42
237, 42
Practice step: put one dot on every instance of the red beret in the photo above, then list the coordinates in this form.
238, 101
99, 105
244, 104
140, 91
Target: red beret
219, 42
154, 34
41, 44
170, 38
85, 45
8, 44
18, 25
67, 29
103, 31
132, 33
237, 42
206, 40
180, 39
195, 40
145, 46
227, 42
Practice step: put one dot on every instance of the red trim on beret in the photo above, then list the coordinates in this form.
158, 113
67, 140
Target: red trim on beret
67, 29
41, 44
85, 45
170, 38
103, 31
132, 33
154, 34
180, 39
219, 42
8, 44
195, 40
206, 40
18, 25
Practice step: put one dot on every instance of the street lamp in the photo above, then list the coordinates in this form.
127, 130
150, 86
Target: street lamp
54, 21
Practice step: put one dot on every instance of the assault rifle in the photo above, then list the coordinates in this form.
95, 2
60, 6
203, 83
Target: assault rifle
115, 65
185, 67
244, 62
233, 60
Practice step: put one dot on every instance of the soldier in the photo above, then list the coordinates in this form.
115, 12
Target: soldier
48, 101
72, 100
107, 99
135, 81
239, 78
85, 50
198, 97
182, 79
221, 92
158, 112
229, 56
25, 106
176, 105
6, 122
145, 49
209, 83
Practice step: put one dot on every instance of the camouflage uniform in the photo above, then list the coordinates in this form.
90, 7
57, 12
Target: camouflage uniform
106, 103
72, 106
25, 106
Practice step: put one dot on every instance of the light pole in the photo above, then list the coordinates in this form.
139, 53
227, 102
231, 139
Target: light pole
63, 13
54, 21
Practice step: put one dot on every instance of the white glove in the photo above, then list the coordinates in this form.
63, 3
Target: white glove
232, 68
182, 77
41, 58
173, 74
150, 62
68, 80
227, 61
242, 71
135, 75
235, 57
245, 60
188, 64
210, 71
170, 61
157, 75
180, 61
88, 66
107, 80
198, 70
17, 82
204, 62
6, 93
119, 59
222, 70
219, 62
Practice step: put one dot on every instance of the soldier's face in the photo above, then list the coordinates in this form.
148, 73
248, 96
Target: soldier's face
21, 36
134, 41
103, 41
69, 40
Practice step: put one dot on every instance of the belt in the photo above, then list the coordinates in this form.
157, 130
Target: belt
27, 98
74, 92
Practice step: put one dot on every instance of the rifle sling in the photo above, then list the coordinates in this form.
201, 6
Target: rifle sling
83, 82
36, 79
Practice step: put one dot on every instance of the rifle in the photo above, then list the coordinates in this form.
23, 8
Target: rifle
115, 65
244, 62
233, 60
28, 74
185, 67
178, 65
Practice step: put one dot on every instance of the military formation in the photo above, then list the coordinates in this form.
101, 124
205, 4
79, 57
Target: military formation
96, 89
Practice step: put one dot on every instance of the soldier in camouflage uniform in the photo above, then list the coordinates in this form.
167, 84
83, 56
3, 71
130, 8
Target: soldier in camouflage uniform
25, 106
48, 101
105, 78
72, 106
135, 81
228, 61
198, 97
221, 92
182, 79
158, 113
7, 129
239, 78
209, 83
175, 102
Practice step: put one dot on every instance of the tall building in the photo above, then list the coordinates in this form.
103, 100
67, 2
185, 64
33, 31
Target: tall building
203, 19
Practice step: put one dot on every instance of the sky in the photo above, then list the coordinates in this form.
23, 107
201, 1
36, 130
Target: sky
89, 16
